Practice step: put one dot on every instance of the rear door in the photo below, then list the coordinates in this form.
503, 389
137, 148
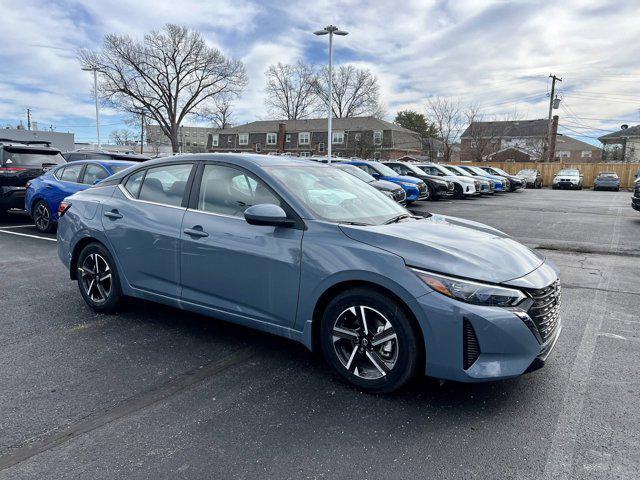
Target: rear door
142, 222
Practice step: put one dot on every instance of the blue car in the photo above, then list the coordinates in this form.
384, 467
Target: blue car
415, 188
45, 192
311, 253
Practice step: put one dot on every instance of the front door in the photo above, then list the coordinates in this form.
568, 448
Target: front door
247, 270
142, 221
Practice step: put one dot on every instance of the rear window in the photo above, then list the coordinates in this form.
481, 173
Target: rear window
33, 158
608, 174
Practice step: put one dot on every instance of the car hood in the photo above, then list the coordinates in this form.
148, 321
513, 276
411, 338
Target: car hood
458, 178
452, 246
386, 186
402, 178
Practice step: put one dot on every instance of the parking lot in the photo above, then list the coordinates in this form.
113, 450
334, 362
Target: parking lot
154, 392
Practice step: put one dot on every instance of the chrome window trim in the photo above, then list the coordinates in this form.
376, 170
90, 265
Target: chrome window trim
196, 210
128, 195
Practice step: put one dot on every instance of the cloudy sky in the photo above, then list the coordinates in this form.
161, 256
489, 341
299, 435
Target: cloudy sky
496, 54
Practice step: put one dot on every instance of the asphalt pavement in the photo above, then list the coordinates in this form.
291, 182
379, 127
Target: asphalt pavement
154, 392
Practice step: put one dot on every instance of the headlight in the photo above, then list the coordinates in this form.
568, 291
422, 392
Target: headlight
470, 291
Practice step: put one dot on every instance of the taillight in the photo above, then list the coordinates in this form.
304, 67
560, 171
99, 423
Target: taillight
62, 208
11, 170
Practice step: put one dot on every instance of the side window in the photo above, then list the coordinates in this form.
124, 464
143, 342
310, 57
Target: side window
74, 157
71, 173
367, 169
58, 173
93, 173
229, 191
165, 184
133, 183
396, 168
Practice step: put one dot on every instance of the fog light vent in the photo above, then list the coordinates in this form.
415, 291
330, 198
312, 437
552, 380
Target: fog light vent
470, 346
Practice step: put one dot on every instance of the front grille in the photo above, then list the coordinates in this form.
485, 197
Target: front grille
470, 346
637, 193
545, 310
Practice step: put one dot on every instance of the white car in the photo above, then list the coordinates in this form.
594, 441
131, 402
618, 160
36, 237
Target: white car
463, 186
568, 178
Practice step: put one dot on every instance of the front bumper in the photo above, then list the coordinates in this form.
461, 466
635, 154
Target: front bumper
505, 346
635, 203
566, 184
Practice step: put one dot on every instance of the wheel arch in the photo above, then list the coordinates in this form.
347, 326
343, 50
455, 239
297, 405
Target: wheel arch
339, 287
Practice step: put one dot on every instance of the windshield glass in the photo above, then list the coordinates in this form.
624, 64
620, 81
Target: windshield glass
459, 171
446, 171
527, 171
568, 172
417, 170
357, 172
500, 171
335, 196
383, 169
608, 174
34, 158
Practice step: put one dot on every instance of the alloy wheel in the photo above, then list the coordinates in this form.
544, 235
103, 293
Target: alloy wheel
365, 342
96, 278
42, 217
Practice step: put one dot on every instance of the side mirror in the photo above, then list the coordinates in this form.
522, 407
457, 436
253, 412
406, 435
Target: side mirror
97, 180
267, 214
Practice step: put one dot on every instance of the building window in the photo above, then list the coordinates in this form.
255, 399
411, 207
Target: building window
258, 148
215, 140
305, 154
440, 154
287, 138
272, 138
337, 137
377, 137
563, 154
243, 139
321, 147
304, 138
357, 137
229, 140
586, 153
376, 155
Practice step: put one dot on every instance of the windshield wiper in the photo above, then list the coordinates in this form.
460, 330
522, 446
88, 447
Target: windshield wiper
397, 218
359, 224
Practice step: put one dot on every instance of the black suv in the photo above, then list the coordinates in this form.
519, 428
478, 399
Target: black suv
103, 155
438, 187
635, 200
19, 163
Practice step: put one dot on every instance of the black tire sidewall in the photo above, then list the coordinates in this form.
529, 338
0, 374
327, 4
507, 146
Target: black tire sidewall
409, 348
115, 297
51, 225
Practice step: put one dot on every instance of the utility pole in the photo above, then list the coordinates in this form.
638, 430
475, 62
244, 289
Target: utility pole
549, 142
28, 119
141, 131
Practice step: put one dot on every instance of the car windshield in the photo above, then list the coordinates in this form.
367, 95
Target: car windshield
35, 158
474, 170
527, 171
499, 170
417, 170
335, 196
446, 170
357, 172
569, 172
608, 174
459, 171
383, 169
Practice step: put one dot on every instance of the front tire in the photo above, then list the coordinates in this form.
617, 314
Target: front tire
457, 192
368, 340
98, 279
42, 217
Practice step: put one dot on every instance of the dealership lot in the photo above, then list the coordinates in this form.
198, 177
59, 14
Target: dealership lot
156, 392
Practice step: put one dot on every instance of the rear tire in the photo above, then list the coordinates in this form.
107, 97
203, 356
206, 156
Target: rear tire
43, 217
369, 341
98, 279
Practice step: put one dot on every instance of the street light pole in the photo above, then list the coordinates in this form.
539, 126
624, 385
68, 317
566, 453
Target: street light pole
330, 30
95, 91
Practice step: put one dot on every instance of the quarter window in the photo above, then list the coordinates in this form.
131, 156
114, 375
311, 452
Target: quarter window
166, 184
229, 191
94, 173
304, 138
71, 173
243, 139
133, 183
272, 138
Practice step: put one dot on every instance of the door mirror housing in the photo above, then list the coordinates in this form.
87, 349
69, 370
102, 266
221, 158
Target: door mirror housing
267, 214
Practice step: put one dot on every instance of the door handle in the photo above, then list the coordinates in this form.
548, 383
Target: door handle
196, 232
113, 214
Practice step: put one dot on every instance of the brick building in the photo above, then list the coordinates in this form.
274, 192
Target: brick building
365, 137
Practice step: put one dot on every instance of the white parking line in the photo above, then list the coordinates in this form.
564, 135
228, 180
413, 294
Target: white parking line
27, 235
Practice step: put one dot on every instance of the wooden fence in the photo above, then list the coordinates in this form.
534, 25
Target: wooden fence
626, 171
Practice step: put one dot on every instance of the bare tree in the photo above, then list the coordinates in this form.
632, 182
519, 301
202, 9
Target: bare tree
123, 136
171, 73
291, 90
448, 117
355, 92
220, 114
